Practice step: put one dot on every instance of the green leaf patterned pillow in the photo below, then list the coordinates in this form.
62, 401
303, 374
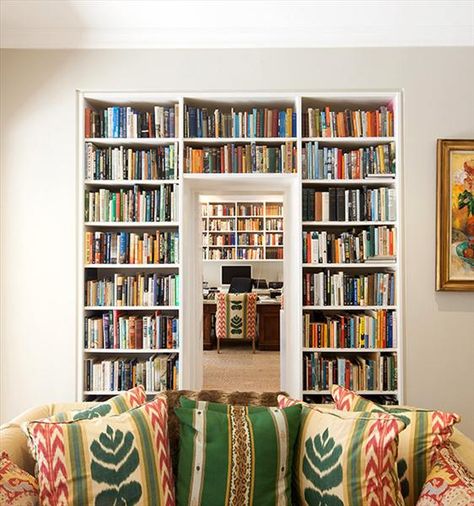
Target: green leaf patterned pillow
235, 454
346, 459
426, 431
115, 406
122, 460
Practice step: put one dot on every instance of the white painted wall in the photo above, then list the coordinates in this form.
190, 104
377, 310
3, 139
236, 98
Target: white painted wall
38, 194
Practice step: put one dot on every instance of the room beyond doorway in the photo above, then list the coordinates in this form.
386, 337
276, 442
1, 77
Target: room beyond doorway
242, 255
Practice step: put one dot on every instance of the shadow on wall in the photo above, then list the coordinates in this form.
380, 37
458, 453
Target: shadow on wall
455, 302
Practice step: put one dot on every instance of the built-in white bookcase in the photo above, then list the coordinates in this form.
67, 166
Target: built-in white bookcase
188, 223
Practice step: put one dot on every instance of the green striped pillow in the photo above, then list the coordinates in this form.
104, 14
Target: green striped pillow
235, 454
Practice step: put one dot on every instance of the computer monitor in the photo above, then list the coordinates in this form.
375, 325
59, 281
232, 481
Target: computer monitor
241, 285
235, 271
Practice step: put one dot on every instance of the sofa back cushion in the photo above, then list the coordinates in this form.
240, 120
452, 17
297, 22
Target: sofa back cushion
235, 454
268, 399
122, 459
426, 431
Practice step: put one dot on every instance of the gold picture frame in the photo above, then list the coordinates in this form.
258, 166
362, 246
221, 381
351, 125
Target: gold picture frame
455, 215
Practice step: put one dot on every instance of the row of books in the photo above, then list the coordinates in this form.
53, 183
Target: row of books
358, 373
250, 239
219, 240
346, 289
113, 330
340, 204
250, 210
338, 163
355, 246
326, 123
250, 253
158, 373
220, 225
250, 224
131, 248
134, 290
258, 122
241, 159
274, 224
122, 163
219, 254
274, 209
132, 205
274, 253
218, 210
368, 330
274, 239
127, 122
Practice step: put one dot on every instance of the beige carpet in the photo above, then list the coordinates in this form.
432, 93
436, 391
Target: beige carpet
237, 368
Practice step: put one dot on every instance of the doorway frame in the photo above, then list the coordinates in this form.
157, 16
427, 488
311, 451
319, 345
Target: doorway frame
288, 187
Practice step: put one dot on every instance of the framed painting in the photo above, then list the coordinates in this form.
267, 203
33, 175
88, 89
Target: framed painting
455, 215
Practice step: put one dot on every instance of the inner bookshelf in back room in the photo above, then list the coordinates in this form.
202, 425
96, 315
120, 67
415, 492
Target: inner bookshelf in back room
139, 155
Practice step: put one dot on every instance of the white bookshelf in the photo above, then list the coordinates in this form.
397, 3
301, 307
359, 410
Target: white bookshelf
264, 233
289, 185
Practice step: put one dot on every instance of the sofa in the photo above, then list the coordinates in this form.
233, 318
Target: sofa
13, 440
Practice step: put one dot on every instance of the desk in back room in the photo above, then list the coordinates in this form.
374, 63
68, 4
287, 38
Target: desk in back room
268, 311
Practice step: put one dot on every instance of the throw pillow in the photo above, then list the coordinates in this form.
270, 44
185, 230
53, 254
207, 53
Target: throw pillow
449, 483
236, 455
346, 458
17, 487
122, 459
119, 404
426, 431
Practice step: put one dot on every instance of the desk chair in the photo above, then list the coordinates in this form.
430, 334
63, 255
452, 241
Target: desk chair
236, 317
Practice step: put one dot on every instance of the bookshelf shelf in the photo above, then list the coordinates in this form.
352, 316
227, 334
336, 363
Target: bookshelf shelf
131, 308
362, 265
132, 224
350, 350
360, 392
346, 223
254, 213
290, 184
347, 308
387, 181
357, 141
235, 140
132, 266
131, 182
131, 351
126, 141
115, 392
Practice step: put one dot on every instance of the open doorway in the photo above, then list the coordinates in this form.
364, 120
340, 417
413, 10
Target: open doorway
242, 275
284, 187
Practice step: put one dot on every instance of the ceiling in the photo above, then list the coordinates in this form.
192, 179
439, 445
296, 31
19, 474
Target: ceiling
235, 23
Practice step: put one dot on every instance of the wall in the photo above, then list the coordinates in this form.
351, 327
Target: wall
38, 194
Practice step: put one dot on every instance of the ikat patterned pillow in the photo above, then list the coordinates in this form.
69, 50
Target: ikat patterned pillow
235, 455
449, 483
122, 459
347, 459
115, 406
17, 487
426, 431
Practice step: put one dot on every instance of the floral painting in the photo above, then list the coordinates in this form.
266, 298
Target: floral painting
455, 268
